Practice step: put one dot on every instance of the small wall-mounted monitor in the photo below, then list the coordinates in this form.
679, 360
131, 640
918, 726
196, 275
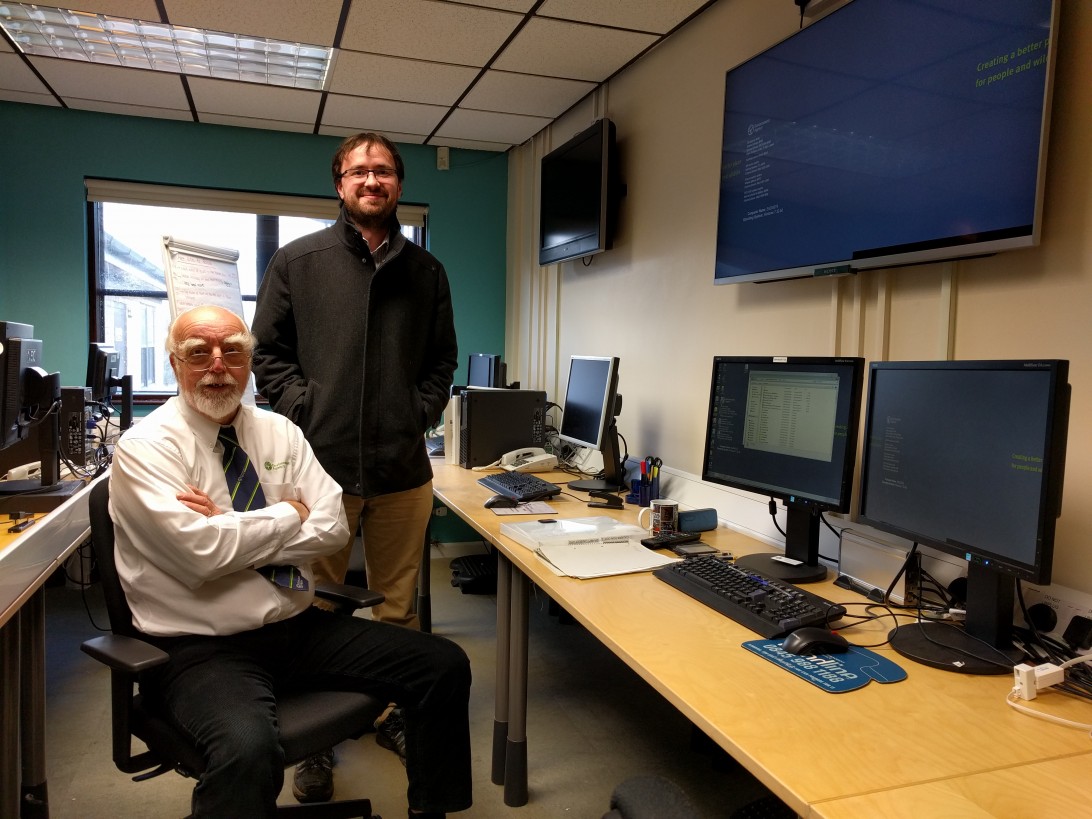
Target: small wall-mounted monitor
579, 192
587, 418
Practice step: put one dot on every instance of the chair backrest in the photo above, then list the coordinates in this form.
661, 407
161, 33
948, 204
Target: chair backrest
102, 543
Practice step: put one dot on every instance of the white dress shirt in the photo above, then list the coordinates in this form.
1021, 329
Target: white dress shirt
185, 573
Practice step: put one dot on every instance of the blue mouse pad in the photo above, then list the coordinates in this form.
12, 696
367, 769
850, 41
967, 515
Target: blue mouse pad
836, 673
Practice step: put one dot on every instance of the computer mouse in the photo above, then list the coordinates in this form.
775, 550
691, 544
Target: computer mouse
815, 640
501, 502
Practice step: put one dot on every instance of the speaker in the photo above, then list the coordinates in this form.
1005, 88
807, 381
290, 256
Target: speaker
697, 520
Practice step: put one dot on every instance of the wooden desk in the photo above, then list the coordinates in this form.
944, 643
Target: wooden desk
27, 560
808, 746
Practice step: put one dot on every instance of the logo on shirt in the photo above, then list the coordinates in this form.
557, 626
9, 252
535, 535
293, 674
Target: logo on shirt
270, 466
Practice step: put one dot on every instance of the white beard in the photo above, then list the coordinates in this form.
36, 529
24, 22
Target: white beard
216, 403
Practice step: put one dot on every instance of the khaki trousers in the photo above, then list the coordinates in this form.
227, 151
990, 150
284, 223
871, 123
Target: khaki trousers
393, 527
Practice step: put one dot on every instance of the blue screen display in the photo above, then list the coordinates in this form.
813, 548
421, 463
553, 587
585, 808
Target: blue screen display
888, 127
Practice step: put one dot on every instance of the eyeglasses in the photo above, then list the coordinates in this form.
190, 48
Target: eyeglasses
201, 362
360, 174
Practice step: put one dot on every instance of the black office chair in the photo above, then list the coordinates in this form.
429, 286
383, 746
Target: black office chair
310, 722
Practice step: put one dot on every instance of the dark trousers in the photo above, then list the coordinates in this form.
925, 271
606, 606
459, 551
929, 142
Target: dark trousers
222, 692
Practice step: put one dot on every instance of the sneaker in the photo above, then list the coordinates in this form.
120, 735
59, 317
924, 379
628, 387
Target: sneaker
314, 779
391, 733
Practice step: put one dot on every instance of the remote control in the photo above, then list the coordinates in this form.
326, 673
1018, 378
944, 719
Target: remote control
669, 539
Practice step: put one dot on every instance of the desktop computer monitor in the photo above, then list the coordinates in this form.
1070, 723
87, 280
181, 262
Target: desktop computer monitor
786, 428
103, 378
587, 418
485, 370
967, 457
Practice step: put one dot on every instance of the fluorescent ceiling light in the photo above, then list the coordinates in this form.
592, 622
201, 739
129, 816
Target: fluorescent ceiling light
99, 38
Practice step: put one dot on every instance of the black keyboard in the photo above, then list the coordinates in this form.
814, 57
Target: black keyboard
765, 605
523, 486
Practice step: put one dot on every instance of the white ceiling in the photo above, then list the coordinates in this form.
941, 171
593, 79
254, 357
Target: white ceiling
483, 74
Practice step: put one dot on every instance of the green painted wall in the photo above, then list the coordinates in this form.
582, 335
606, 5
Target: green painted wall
47, 152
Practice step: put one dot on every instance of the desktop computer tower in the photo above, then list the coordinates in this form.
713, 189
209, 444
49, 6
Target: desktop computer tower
493, 422
76, 420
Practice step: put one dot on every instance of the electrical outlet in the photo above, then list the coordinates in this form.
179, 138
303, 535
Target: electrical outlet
1065, 602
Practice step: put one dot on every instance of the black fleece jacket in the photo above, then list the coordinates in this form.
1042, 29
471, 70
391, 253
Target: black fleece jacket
361, 359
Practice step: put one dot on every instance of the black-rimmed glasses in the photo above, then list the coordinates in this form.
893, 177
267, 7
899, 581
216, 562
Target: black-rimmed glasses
360, 174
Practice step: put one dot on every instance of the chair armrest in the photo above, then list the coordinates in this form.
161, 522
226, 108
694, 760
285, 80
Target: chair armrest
348, 598
124, 653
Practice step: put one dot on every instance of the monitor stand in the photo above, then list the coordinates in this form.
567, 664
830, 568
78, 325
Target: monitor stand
800, 563
983, 645
613, 479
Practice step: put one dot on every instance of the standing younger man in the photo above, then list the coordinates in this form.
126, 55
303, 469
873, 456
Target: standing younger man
356, 344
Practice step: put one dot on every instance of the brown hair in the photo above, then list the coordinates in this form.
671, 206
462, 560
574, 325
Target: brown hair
368, 139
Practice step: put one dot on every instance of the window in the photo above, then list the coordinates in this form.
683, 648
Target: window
129, 221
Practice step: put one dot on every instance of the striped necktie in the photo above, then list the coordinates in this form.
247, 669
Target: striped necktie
246, 493
242, 478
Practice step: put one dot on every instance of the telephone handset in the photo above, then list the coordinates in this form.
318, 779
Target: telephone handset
528, 459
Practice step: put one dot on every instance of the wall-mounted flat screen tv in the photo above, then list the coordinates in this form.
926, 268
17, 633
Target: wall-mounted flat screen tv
579, 191
888, 133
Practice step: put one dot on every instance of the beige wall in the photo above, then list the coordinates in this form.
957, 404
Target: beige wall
651, 300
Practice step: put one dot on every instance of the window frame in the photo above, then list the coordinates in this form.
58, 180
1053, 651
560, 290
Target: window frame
101, 191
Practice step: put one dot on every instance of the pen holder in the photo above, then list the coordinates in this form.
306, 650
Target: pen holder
644, 494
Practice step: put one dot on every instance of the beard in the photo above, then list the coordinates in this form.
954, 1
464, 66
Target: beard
369, 215
218, 402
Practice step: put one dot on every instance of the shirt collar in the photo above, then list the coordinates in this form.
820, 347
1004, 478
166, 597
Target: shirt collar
205, 429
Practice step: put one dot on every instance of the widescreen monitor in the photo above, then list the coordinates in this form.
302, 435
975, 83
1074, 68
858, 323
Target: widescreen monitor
587, 418
786, 428
968, 457
889, 132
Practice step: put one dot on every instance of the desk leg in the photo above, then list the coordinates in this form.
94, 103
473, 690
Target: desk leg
504, 638
9, 718
515, 765
424, 583
35, 803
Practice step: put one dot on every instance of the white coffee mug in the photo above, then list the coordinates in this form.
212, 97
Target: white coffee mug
663, 516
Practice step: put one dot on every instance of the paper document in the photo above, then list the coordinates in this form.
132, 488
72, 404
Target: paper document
587, 547
529, 508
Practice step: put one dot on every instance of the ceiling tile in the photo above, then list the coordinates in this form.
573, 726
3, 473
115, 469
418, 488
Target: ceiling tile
16, 76
254, 100
525, 94
394, 136
572, 50
26, 96
427, 30
366, 114
130, 86
314, 23
486, 125
507, 5
402, 67
128, 110
369, 75
659, 16
257, 122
